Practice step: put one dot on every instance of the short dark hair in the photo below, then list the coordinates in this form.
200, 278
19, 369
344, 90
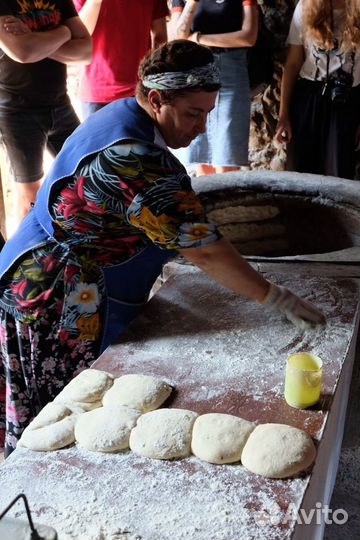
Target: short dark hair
177, 55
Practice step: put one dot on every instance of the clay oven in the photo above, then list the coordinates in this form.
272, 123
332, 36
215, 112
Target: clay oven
305, 217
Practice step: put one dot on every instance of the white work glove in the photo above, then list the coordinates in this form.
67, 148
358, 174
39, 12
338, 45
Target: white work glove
300, 312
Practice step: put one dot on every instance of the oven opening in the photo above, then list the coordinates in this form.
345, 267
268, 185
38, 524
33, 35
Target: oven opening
283, 225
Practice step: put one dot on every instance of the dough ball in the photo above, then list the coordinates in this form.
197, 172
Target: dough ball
278, 451
106, 429
220, 438
51, 437
52, 412
163, 434
140, 392
81, 406
89, 386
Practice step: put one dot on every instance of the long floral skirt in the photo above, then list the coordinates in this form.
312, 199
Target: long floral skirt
36, 361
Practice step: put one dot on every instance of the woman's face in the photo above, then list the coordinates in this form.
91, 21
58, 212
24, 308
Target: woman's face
184, 118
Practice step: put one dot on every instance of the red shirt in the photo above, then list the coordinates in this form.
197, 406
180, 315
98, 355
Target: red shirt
120, 40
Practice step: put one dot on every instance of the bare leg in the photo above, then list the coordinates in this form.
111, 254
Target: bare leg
25, 195
220, 170
202, 170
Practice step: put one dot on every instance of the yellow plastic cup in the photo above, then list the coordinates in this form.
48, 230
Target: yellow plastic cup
303, 380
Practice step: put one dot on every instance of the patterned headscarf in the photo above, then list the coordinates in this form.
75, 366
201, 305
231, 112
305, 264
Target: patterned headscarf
177, 80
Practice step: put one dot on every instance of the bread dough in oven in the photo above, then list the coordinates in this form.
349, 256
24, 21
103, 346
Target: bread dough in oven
243, 214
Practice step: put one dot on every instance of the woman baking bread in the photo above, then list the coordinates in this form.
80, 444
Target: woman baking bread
115, 207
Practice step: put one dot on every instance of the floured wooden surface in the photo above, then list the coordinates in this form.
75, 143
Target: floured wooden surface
227, 354
223, 354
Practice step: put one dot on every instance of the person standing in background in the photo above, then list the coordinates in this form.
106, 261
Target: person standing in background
37, 40
319, 114
229, 28
122, 33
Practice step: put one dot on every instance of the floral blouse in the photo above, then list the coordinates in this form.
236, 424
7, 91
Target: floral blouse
125, 197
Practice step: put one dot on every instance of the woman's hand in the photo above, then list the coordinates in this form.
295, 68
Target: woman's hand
300, 312
283, 130
15, 26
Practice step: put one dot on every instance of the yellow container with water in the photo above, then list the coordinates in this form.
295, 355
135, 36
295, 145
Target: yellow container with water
303, 380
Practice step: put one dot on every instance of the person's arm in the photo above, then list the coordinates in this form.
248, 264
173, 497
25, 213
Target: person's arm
182, 20
89, 14
294, 61
222, 262
78, 50
170, 214
246, 37
24, 46
158, 32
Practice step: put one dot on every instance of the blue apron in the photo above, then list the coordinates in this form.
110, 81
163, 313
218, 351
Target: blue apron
127, 284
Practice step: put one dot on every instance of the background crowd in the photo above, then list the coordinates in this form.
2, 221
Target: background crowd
38, 41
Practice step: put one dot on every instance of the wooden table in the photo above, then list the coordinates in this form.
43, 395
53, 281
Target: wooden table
223, 354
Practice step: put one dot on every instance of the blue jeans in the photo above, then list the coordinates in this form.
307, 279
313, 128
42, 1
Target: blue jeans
225, 143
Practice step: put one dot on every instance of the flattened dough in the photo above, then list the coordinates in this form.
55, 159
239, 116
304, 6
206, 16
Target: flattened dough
140, 392
243, 214
220, 438
278, 451
51, 437
262, 247
163, 434
243, 232
106, 429
87, 387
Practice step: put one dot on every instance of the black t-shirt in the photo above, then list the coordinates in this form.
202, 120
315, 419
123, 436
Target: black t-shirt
40, 83
216, 17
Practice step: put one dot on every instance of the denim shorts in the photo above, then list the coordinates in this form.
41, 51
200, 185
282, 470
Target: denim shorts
225, 143
25, 133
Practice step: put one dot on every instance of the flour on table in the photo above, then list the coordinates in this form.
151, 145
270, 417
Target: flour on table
136, 391
278, 451
87, 387
220, 438
163, 434
106, 429
122, 496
